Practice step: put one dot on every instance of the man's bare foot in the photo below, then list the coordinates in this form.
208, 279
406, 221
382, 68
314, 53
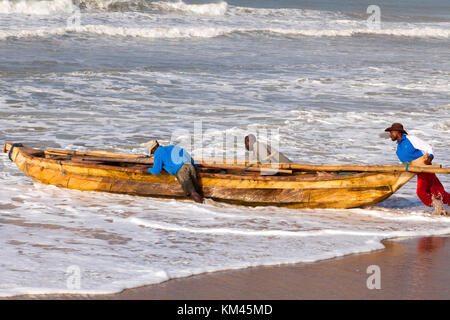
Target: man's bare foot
197, 198
446, 211
439, 209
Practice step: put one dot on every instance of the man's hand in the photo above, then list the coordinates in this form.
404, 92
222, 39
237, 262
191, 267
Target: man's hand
428, 160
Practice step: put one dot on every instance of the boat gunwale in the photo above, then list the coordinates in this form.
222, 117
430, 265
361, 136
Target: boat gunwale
265, 190
27, 153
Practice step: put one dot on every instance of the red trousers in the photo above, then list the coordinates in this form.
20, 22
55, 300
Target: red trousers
428, 185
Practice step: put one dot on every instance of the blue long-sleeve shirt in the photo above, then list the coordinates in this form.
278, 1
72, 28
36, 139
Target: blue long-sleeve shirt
411, 148
170, 158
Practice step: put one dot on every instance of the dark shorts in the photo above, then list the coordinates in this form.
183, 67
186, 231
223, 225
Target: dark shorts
187, 177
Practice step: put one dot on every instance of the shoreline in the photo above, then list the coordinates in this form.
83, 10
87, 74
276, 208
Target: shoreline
409, 268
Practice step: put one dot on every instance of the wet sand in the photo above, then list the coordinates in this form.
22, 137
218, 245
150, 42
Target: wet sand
413, 268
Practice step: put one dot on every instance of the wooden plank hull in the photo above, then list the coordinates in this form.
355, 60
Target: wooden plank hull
340, 191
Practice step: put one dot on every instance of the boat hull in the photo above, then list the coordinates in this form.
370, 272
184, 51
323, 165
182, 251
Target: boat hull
340, 191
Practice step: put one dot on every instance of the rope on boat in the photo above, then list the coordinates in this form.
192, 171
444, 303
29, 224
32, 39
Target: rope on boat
245, 169
12, 148
62, 169
407, 165
249, 166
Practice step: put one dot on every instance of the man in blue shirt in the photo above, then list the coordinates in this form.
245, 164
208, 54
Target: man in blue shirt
177, 162
412, 150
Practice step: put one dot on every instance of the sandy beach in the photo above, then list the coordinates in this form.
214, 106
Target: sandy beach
413, 268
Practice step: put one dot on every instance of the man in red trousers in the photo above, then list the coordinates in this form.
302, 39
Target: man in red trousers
412, 149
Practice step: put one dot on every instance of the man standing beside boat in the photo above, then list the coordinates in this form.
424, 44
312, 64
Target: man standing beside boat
177, 162
412, 150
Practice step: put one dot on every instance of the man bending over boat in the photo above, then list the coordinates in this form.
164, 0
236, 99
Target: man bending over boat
264, 153
412, 150
178, 162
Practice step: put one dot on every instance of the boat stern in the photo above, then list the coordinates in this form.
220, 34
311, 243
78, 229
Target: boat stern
7, 146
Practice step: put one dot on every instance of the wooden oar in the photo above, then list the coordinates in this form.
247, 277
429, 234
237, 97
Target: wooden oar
136, 160
99, 153
287, 167
149, 161
240, 167
375, 168
342, 167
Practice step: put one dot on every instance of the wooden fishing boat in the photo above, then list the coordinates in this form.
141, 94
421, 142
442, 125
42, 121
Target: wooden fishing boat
294, 185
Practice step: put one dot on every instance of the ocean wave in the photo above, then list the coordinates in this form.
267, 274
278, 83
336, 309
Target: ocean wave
46, 7
218, 8
442, 126
211, 32
213, 9
152, 33
35, 7
441, 108
413, 32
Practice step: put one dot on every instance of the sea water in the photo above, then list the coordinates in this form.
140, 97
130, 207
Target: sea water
322, 77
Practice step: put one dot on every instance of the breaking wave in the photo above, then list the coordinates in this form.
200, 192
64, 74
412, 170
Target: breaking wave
427, 32
211, 32
47, 7
35, 7
215, 9
153, 33
212, 9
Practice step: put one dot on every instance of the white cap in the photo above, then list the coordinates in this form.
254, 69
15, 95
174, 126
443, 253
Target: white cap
151, 144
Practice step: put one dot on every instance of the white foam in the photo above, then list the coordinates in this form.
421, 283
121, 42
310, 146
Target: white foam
413, 32
402, 216
281, 233
35, 7
211, 9
219, 8
179, 7
211, 32
153, 33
